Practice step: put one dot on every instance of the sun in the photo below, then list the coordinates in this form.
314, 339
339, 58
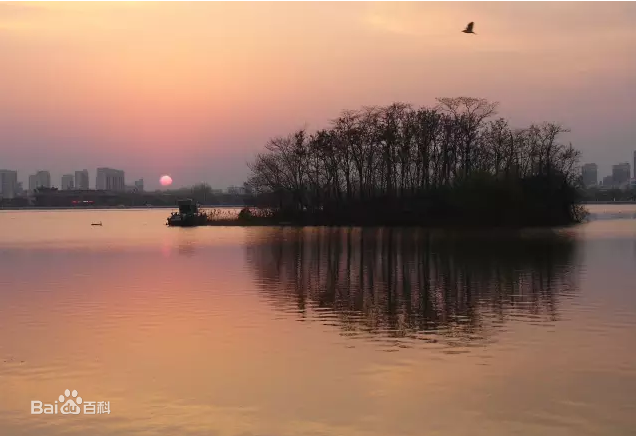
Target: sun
165, 180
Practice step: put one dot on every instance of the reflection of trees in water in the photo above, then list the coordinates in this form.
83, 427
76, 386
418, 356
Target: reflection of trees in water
406, 282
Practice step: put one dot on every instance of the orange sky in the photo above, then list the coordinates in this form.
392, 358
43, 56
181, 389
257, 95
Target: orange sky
194, 89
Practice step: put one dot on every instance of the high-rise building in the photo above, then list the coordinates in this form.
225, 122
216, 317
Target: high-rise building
137, 187
8, 183
621, 173
32, 183
41, 179
109, 179
608, 182
589, 173
81, 180
67, 182
139, 184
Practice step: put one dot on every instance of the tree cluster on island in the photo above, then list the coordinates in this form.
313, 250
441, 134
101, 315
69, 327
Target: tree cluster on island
452, 164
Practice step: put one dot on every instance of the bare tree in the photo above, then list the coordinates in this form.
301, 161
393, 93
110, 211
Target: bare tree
379, 159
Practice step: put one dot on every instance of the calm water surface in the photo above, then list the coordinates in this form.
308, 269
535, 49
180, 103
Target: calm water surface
299, 332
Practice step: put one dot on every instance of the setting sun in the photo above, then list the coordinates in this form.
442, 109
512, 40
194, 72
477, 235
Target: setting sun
165, 180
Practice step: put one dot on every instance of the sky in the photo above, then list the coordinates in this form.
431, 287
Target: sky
195, 90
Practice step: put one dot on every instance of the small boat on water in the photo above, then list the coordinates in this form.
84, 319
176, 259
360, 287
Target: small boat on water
188, 215
96, 224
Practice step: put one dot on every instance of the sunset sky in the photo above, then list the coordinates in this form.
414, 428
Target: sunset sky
194, 90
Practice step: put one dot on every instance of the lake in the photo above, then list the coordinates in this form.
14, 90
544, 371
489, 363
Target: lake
234, 331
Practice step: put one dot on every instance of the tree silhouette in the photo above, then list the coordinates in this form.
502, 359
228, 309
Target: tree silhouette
404, 165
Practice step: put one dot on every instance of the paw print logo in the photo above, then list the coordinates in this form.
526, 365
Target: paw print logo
71, 406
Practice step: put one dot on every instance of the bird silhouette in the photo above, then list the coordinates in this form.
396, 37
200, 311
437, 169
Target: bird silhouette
469, 28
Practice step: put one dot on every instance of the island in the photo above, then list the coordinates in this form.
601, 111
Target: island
454, 164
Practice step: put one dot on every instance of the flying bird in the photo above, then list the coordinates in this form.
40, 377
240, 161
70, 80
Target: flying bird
469, 28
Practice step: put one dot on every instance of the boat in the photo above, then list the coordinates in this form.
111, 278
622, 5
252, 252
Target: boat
188, 215
96, 224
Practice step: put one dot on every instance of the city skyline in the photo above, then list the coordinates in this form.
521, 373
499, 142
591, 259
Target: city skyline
55, 179
195, 90
11, 184
600, 177
599, 174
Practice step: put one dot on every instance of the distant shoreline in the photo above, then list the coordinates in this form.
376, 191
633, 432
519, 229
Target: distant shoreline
209, 206
206, 206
